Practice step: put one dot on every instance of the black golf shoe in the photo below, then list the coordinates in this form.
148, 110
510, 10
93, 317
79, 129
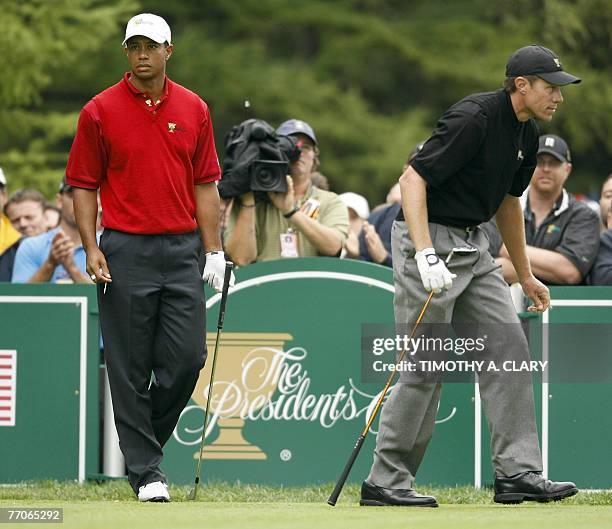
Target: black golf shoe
531, 486
371, 495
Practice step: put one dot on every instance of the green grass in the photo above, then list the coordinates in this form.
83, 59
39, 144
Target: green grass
222, 506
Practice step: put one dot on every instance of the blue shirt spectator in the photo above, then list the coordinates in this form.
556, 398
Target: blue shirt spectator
382, 221
57, 256
34, 251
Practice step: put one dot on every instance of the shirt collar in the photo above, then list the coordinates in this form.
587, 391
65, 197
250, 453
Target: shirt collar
508, 109
136, 92
561, 204
308, 194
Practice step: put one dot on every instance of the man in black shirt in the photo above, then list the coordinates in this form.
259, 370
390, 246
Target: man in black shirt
476, 164
562, 234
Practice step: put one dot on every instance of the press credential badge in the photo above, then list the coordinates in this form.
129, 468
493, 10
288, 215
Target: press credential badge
288, 241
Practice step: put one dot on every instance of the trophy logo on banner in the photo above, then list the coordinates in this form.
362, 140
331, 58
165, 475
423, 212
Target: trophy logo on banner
247, 375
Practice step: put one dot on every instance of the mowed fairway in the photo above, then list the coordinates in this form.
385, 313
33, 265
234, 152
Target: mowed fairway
131, 515
244, 507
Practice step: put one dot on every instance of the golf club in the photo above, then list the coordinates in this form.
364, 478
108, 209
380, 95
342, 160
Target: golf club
333, 498
226, 280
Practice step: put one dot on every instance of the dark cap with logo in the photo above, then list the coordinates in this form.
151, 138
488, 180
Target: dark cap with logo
555, 146
540, 61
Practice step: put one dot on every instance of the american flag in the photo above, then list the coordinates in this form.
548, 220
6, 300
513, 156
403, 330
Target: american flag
8, 386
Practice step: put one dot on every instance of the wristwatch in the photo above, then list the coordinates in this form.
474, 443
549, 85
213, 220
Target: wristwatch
291, 213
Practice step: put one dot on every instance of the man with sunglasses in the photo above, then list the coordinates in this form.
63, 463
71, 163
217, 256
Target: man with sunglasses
303, 222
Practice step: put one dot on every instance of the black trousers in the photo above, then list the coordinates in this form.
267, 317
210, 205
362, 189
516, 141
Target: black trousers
153, 323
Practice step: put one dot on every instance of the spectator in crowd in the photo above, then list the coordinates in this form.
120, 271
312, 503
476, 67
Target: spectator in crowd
375, 238
605, 201
601, 273
56, 256
25, 210
52, 216
358, 210
562, 233
303, 222
8, 234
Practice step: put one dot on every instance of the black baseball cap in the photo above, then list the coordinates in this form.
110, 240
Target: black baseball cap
540, 61
555, 146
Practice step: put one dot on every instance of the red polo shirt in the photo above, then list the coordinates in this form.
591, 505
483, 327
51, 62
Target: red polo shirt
145, 156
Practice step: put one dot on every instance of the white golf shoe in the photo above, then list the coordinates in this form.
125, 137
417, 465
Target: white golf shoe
156, 491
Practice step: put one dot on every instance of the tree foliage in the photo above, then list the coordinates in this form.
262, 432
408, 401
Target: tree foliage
371, 76
38, 38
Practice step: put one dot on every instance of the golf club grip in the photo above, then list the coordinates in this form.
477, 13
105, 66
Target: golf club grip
226, 281
333, 498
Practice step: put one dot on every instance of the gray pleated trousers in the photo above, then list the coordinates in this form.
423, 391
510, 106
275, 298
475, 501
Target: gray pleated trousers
479, 295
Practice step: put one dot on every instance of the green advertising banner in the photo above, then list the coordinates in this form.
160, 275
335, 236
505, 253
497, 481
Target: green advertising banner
288, 400
574, 338
49, 361
576, 411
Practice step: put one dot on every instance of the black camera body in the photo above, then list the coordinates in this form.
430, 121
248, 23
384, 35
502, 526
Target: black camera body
256, 159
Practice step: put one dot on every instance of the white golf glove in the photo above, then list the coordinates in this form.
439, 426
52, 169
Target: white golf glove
214, 270
434, 274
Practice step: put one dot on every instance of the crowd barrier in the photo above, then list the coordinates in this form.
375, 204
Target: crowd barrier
289, 397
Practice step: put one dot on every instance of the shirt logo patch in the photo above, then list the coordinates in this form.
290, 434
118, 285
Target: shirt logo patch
171, 127
519, 155
552, 228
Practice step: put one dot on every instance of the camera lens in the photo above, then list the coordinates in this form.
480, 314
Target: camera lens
269, 176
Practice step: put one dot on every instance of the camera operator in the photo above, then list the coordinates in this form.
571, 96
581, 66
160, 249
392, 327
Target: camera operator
303, 222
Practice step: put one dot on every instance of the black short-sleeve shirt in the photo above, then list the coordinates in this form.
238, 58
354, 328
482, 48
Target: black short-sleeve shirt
478, 153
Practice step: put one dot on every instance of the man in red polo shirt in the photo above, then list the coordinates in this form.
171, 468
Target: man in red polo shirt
147, 144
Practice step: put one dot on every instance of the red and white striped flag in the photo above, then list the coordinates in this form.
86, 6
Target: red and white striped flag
8, 386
